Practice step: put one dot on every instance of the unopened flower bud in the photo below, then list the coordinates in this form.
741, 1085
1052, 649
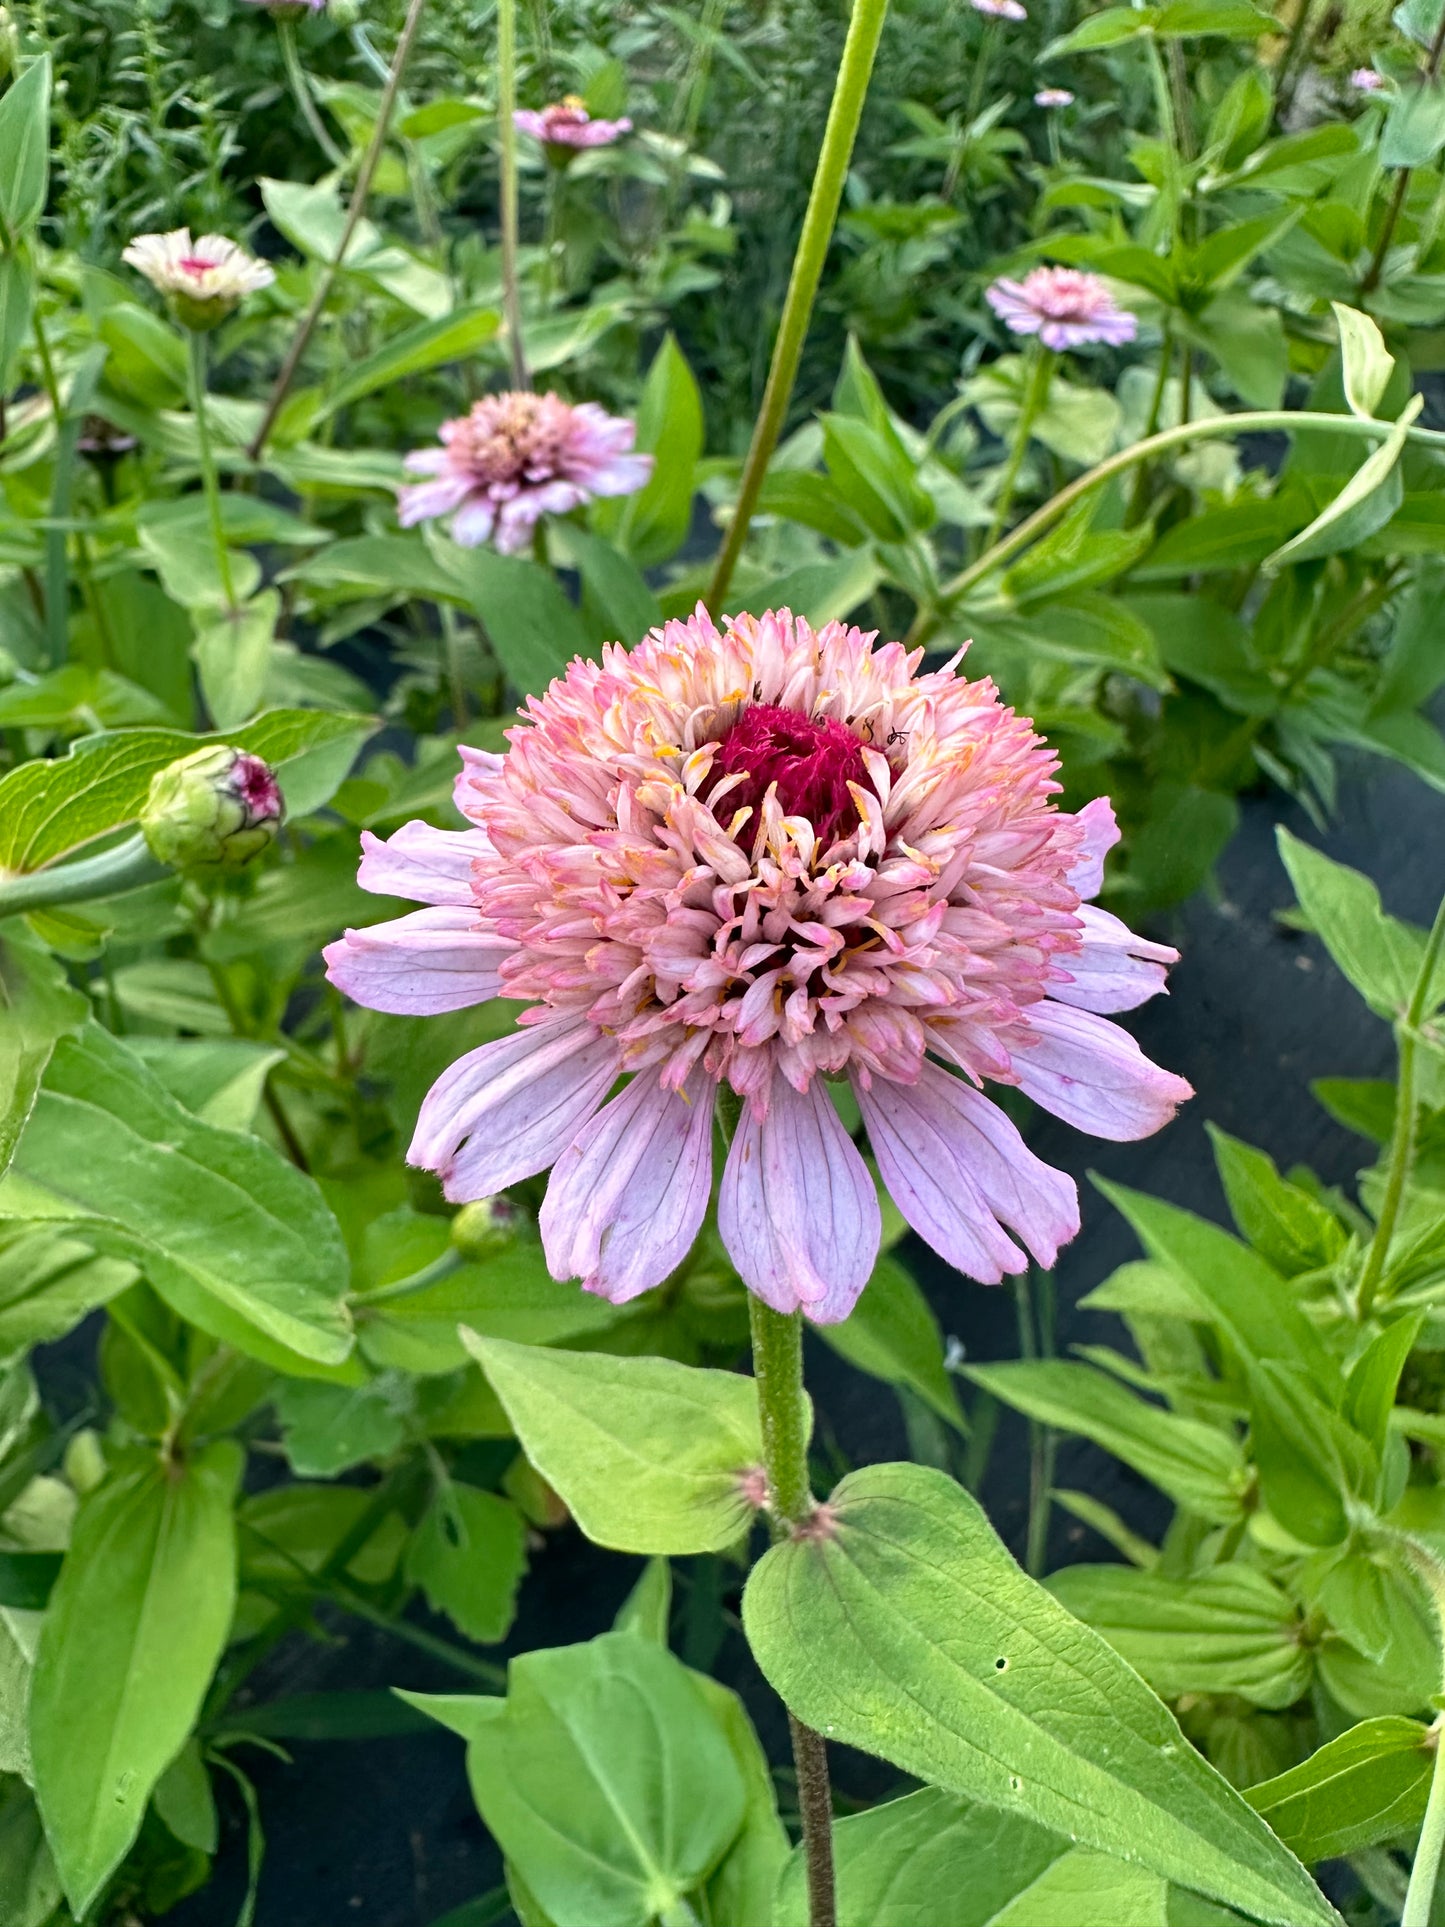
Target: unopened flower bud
216, 808
483, 1229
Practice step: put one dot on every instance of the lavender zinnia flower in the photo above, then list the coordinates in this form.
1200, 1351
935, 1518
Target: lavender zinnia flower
1053, 97
567, 123
1064, 307
764, 858
516, 457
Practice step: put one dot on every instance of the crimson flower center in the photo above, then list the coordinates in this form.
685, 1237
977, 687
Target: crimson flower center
195, 264
812, 760
252, 781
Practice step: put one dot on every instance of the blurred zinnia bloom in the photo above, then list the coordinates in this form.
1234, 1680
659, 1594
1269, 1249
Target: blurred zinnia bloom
1366, 81
567, 123
515, 458
204, 279
1000, 9
764, 858
1064, 307
1053, 97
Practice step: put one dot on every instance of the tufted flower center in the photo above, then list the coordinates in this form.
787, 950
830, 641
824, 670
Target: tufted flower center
811, 759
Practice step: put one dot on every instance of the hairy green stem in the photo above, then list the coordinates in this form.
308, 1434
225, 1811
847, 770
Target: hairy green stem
370, 161
849, 91
507, 140
125, 866
1043, 519
301, 90
209, 480
1035, 395
1402, 1138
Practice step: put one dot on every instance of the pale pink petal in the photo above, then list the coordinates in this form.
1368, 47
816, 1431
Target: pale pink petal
473, 522
424, 501
420, 965
628, 1196
426, 865
797, 1208
1093, 1075
508, 1110
1101, 833
955, 1167
1114, 970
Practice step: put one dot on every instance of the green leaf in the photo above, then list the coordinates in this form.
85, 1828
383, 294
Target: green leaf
875, 477
1192, 19
606, 1782
452, 337
1364, 1788
1380, 955
236, 1239
651, 525
136, 1624
819, 592
1366, 362
1199, 1466
185, 1802
534, 629
1225, 1630
743, 1885
25, 148
614, 591
468, 1556
892, 1334
648, 1455
48, 1283
1375, 1378
37, 1008
400, 565
48, 809
27, 1579
1305, 1456
29, 1886
219, 1079
1363, 506
1290, 1230
327, 1429
17, 293
933, 1858
1105, 29
233, 654
1199, 638
1414, 130
904, 1628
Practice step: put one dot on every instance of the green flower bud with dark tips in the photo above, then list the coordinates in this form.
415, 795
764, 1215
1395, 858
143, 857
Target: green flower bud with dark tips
214, 809
483, 1229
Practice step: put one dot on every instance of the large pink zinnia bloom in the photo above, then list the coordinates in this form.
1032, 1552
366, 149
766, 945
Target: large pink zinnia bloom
768, 857
1064, 307
515, 458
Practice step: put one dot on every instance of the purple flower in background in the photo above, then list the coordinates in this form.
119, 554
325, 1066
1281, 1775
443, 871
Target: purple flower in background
1064, 307
567, 123
1366, 81
1053, 97
1000, 9
517, 457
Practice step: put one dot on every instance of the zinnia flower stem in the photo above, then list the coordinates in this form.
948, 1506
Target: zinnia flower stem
1402, 1138
209, 480
1036, 394
783, 1411
124, 866
301, 89
369, 164
507, 136
849, 92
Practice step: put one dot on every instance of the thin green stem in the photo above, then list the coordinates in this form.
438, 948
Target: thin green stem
1393, 212
1140, 496
125, 866
988, 40
1036, 393
507, 141
1402, 1138
301, 89
849, 91
209, 480
327, 280
1424, 1875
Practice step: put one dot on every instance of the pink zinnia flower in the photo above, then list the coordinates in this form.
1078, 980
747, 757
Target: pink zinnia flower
517, 457
1366, 81
765, 858
1064, 307
1053, 97
1000, 9
567, 123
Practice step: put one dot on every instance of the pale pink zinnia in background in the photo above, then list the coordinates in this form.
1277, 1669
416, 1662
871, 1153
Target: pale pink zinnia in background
766, 857
1366, 81
1064, 307
516, 457
1000, 9
204, 279
567, 123
1053, 97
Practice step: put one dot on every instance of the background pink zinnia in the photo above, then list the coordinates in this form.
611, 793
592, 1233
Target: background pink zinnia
1064, 307
567, 123
766, 857
516, 457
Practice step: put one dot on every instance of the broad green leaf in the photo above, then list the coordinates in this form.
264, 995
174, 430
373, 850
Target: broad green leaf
37, 1008
1414, 130
1380, 955
1234, 536
652, 524
48, 1283
933, 1858
892, 1333
1362, 507
606, 1782
17, 293
743, 1885
1367, 362
615, 596
819, 592
1292, 1231
875, 477
1105, 29
327, 1429
232, 653
1308, 1459
903, 1627
468, 1556
1199, 638
401, 566
235, 1238
25, 148
48, 809
452, 337
185, 1802
1199, 1466
532, 626
1375, 1378
1226, 1630
1190, 19
1234, 1287
1362, 1789
219, 1079
30, 1889
650, 1456
135, 1627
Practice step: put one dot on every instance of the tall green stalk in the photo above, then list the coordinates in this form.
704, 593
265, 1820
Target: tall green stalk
507, 142
849, 92
209, 480
1036, 395
301, 91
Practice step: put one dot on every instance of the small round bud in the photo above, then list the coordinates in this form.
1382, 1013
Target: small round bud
84, 1461
214, 809
483, 1229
